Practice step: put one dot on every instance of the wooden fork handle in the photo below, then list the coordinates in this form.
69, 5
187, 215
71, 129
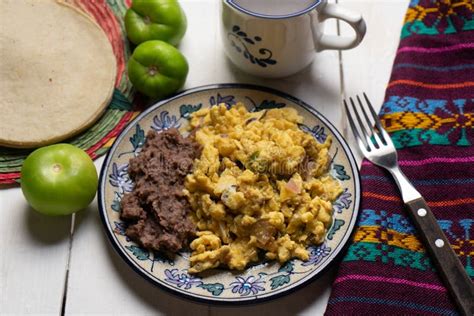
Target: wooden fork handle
447, 263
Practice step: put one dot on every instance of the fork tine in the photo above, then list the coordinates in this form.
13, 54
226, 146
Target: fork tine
388, 140
356, 133
377, 142
370, 146
376, 119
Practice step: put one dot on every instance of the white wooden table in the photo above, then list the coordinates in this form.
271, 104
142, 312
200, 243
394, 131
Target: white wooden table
34, 249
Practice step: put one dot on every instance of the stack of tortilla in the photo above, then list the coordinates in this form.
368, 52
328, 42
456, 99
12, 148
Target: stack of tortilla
57, 72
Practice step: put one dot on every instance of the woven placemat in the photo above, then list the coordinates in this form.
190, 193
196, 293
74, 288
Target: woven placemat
98, 138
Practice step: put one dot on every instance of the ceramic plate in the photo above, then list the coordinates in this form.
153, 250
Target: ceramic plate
258, 282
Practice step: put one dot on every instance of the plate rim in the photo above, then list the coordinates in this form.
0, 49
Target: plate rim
338, 251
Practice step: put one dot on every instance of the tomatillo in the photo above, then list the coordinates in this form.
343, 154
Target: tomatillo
157, 69
155, 20
59, 179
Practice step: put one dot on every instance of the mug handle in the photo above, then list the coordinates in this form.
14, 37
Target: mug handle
355, 20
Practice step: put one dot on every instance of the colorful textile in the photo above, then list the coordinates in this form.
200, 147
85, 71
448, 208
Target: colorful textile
98, 138
429, 112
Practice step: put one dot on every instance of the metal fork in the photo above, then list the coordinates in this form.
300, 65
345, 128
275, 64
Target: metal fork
376, 145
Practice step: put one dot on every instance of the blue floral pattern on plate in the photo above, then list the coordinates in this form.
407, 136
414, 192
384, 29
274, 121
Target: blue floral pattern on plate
261, 281
164, 121
249, 285
317, 131
228, 100
120, 179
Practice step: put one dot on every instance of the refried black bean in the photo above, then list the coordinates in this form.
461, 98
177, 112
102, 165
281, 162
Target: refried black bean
156, 211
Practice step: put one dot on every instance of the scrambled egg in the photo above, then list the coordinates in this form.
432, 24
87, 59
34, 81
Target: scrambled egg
260, 188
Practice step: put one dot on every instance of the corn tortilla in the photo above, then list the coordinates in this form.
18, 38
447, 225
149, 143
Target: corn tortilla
57, 72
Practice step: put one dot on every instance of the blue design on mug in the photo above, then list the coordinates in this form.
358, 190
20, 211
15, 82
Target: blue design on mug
240, 41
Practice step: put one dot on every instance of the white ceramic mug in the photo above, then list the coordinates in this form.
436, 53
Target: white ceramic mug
277, 38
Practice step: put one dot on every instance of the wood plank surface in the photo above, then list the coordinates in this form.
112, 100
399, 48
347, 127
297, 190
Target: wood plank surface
367, 68
33, 255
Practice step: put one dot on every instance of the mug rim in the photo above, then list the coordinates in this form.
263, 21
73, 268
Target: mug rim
267, 16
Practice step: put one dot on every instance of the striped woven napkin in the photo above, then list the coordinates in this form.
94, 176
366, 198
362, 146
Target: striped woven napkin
429, 112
